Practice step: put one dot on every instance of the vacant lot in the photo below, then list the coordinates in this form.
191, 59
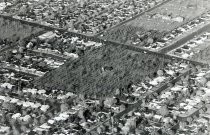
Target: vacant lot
203, 56
164, 18
203, 52
14, 30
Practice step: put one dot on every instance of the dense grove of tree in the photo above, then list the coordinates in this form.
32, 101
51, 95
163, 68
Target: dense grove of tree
101, 71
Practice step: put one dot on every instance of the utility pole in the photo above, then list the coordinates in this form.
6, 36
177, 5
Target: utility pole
112, 122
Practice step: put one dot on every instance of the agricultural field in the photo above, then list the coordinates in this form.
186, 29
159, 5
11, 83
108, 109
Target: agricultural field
160, 20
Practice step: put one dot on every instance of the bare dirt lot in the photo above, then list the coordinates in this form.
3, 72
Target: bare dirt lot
14, 29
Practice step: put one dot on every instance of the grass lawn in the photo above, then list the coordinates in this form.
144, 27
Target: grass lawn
188, 9
160, 20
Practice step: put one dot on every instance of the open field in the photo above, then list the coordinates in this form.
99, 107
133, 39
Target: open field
203, 55
162, 19
15, 30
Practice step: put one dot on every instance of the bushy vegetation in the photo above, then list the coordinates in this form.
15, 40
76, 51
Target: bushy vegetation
101, 71
202, 56
129, 34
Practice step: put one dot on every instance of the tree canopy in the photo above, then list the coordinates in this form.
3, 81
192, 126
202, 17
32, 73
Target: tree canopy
101, 71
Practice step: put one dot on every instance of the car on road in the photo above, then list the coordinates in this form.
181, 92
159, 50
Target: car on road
205, 18
207, 34
187, 27
192, 24
186, 47
181, 29
199, 21
199, 40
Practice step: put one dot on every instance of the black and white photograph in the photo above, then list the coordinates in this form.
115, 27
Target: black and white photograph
104, 67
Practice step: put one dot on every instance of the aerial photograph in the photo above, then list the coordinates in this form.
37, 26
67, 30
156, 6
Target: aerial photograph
104, 67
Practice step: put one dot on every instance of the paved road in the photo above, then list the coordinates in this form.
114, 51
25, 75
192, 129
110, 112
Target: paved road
133, 48
26, 73
48, 54
184, 40
35, 24
142, 13
158, 54
161, 88
15, 45
138, 104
